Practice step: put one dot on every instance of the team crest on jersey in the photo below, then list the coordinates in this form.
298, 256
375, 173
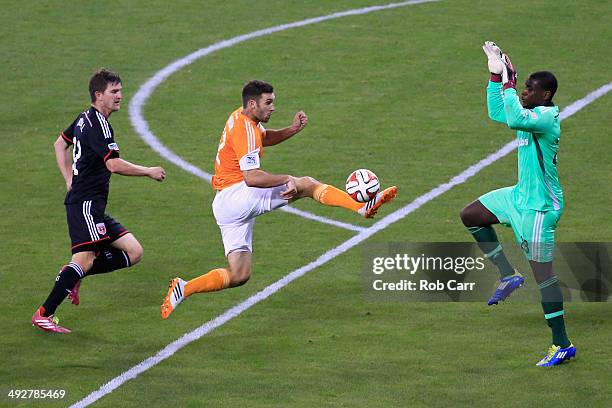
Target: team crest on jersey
250, 161
101, 228
113, 146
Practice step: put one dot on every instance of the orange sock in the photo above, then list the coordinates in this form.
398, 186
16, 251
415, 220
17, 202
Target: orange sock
214, 280
330, 195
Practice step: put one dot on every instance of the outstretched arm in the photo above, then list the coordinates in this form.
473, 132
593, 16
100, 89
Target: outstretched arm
64, 160
276, 136
125, 168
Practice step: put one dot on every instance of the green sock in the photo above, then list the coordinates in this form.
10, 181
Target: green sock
489, 244
552, 304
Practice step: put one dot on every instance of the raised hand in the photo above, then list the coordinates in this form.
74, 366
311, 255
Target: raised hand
508, 73
494, 57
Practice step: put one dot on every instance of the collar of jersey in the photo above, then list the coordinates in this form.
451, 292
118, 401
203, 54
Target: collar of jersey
255, 122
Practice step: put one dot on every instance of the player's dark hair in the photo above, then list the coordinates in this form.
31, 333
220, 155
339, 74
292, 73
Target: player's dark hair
253, 90
545, 80
100, 80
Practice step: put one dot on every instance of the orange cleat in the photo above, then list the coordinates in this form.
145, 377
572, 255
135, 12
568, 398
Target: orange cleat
176, 294
371, 207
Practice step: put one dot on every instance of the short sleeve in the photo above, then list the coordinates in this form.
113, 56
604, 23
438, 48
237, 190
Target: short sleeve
246, 144
68, 133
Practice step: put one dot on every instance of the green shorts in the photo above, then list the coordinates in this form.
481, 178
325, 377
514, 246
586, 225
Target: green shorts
534, 230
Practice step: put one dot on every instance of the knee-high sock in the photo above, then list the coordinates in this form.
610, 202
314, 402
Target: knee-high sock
110, 260
214, 280
330, 195
552, 304
65, 281
489, 244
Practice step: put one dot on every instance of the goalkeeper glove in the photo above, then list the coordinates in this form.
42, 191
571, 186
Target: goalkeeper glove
495, 63
508, 73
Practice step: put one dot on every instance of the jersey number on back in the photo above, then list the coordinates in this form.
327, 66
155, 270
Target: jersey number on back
221, 144
76, 155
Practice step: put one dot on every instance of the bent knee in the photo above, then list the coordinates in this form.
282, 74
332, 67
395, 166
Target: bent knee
306, 186
241, 281
240, 277
84, 259
465, 215
476, 215
135, 253
306, 183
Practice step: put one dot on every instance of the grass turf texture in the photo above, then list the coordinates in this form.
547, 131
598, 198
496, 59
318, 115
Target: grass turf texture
400, 92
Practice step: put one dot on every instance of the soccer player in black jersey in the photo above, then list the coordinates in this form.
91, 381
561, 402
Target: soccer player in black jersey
100, 244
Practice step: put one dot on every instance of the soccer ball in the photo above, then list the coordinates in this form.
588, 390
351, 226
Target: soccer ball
362, 185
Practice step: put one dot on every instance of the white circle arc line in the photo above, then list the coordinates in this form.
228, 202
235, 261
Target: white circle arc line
137, 103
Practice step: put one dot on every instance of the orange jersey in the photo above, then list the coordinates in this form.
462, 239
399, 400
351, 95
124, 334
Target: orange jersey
240, 148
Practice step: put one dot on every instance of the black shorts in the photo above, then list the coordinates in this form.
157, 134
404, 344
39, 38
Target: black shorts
89, 228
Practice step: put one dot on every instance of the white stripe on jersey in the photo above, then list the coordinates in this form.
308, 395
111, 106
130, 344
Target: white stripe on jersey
87, 117
93, 233
107, 126
555, 200
250, 136
253, 136
253, 143
104, 125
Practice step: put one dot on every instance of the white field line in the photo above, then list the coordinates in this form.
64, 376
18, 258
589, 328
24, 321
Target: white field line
137, 103
209, 326
323, 220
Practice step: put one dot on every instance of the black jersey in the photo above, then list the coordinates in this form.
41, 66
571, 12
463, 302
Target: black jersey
94, 144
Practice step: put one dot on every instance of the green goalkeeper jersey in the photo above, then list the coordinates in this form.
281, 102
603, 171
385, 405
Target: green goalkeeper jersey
537, 132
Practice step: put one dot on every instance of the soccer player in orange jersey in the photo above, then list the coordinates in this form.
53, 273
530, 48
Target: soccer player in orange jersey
245, 191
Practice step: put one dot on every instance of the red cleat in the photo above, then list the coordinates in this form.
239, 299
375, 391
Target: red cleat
47, 323
74, 294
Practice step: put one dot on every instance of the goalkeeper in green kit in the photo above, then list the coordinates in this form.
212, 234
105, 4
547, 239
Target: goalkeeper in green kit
534, 205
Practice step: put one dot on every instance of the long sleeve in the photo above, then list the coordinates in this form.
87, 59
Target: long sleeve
495, 102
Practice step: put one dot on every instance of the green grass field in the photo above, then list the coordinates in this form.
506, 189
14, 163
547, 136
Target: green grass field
398, 91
